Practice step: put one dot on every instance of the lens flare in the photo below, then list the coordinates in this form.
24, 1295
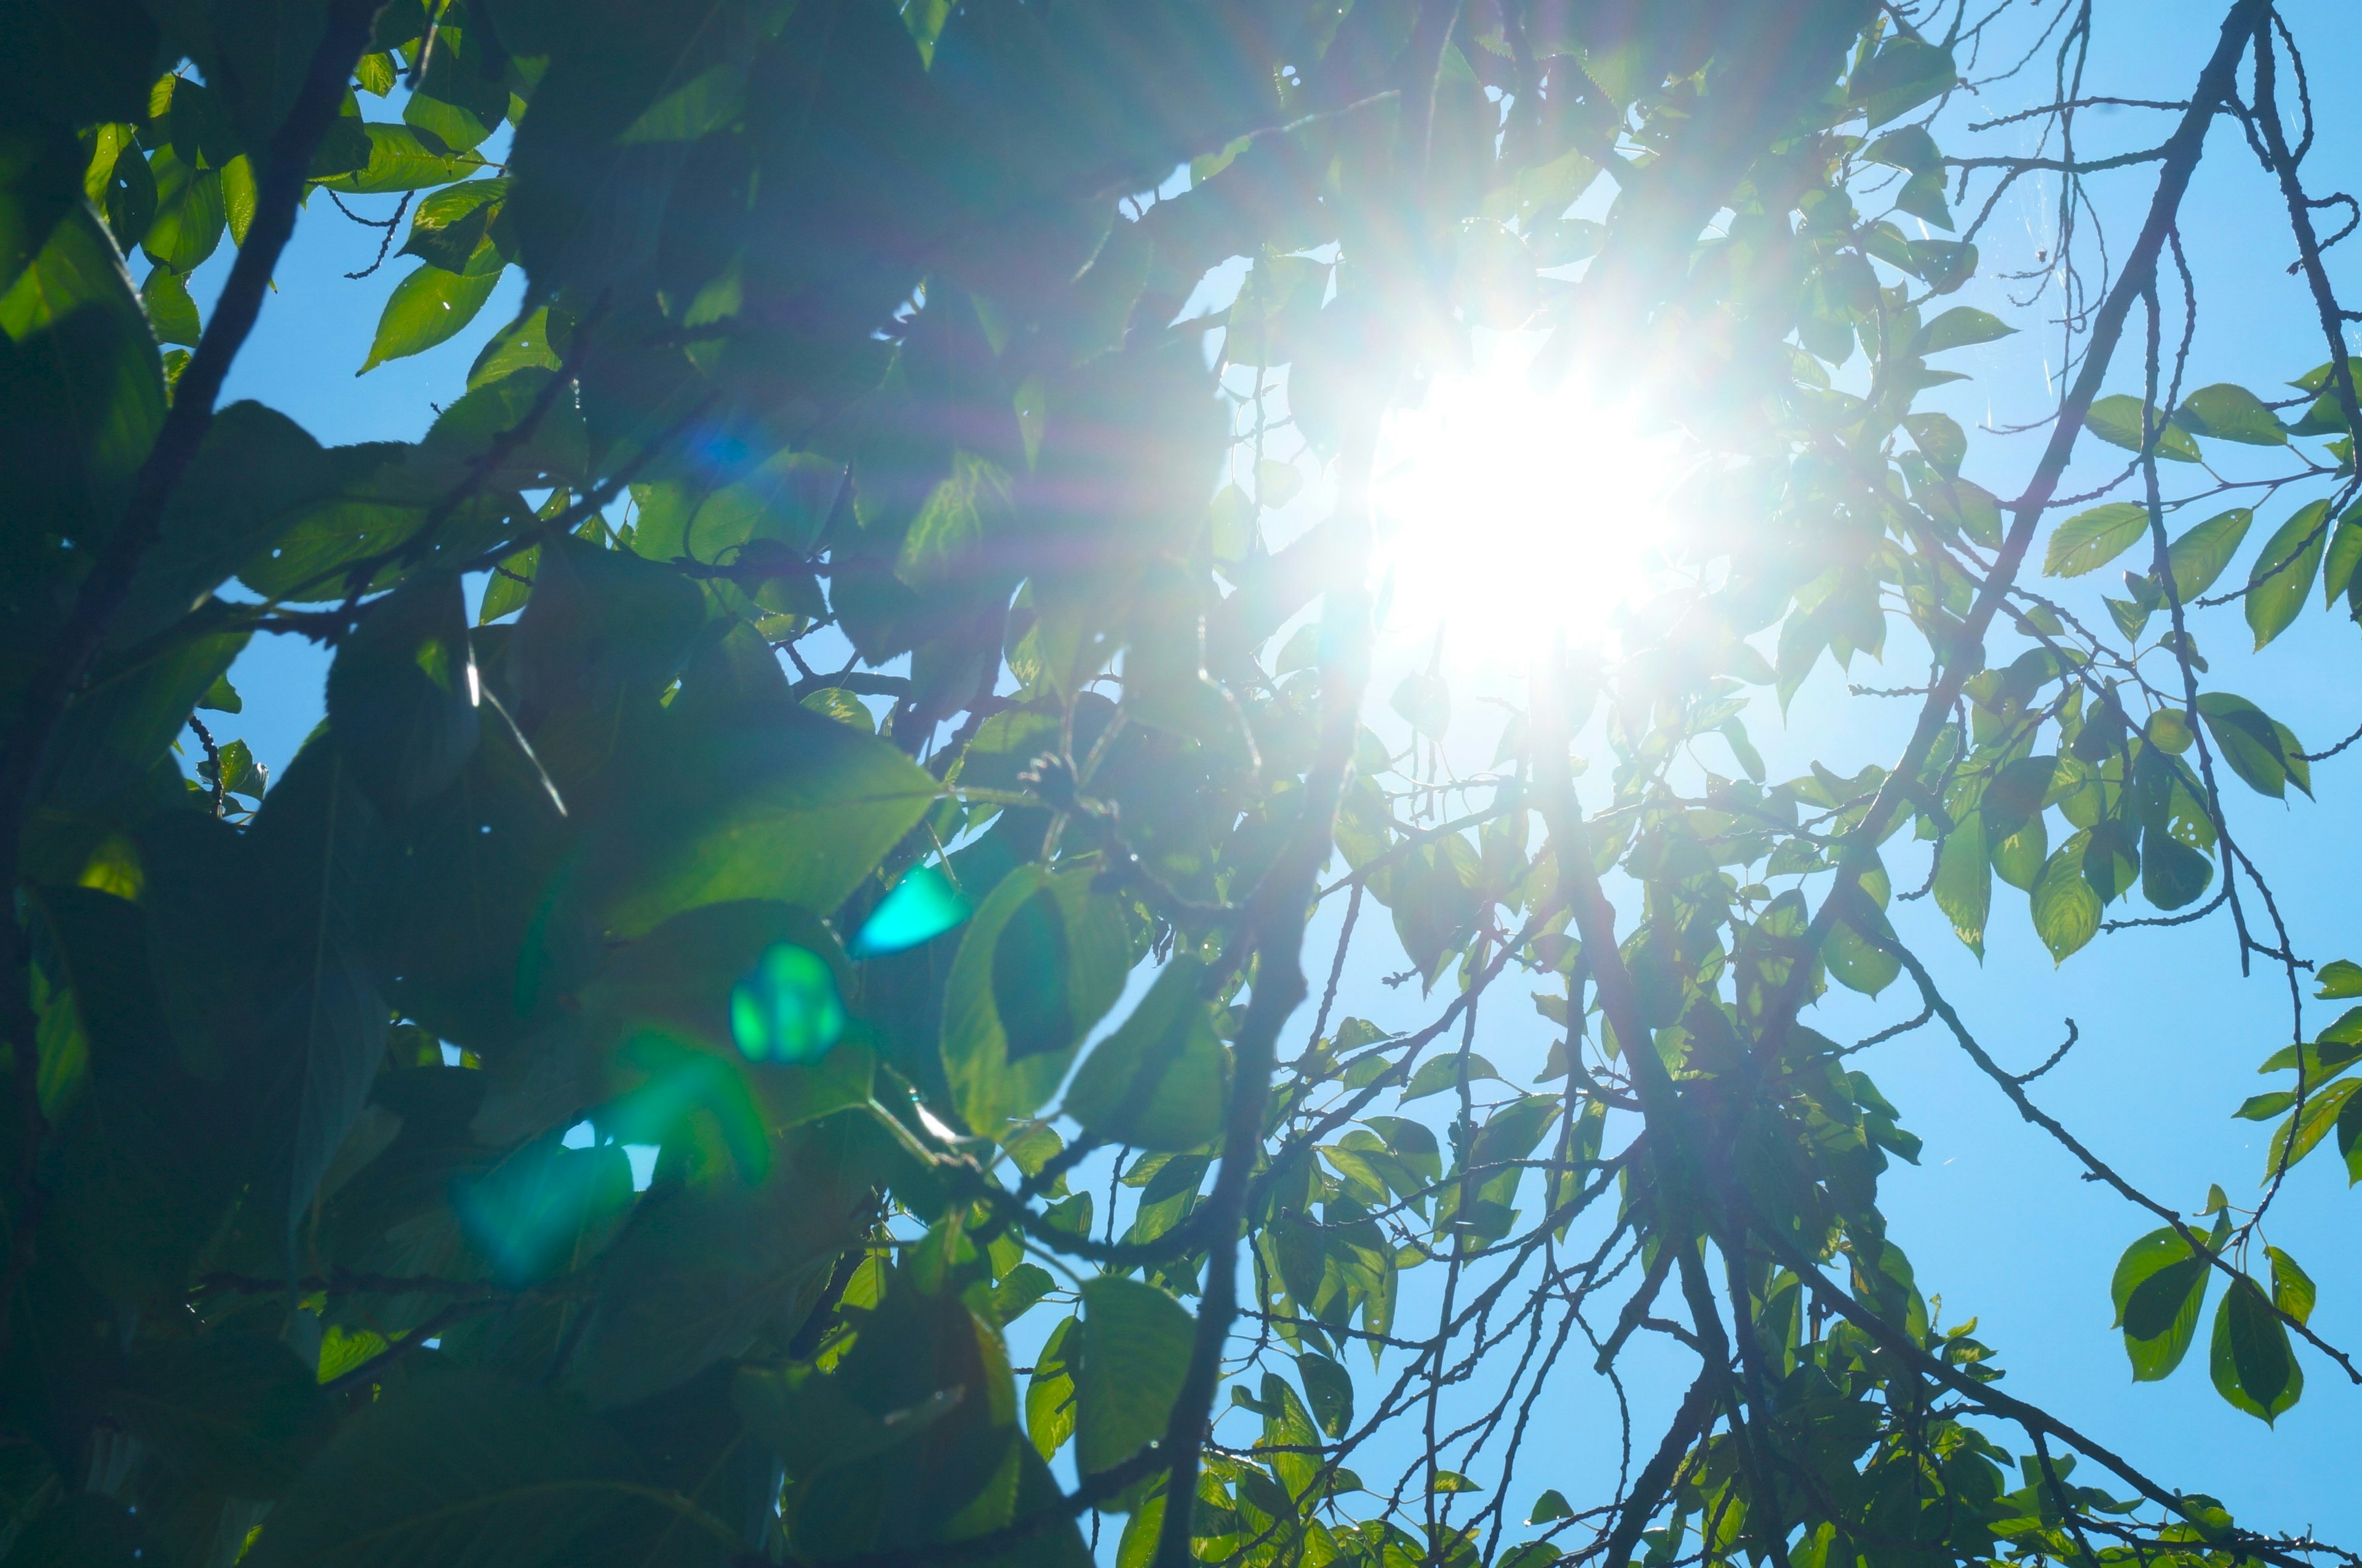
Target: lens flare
922, 906
785, 1008
1509, 516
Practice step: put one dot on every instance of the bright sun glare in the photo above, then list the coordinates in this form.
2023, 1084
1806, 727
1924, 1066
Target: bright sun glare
1509, 516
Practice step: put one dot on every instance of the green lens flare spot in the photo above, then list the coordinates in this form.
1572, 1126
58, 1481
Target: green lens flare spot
922, 906
785, 1008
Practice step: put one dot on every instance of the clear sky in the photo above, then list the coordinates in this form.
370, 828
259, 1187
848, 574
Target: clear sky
1994, 1216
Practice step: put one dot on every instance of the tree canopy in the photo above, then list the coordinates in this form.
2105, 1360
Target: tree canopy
964, 992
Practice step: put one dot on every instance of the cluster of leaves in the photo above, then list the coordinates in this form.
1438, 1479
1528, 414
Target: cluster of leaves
334, 1234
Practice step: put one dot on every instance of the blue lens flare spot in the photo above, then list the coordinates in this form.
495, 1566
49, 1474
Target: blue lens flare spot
785, 1008
922, 906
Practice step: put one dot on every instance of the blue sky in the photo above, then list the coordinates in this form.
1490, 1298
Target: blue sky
1994, 1216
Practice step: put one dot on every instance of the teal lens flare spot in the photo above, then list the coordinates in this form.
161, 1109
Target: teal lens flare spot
922, 906
785, 1008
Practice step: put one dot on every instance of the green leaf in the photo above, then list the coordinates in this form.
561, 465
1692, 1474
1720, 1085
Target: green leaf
2090, 540
2066, 910
1910, 147
190, 218
257, 472
2112, 857
1328, 1392
401, 160
2292, 1288
403, 694
1156, 1081
787, 502
1858, 964
128, 712
344, 148
701, 1271
705, 103
2117, 421
2300, 1136
449, 1460
2260, 749
1041, 961
1904, 74
603, 630
2343, 555
1441, 1075
2281, 577
38, 184
2338, 978
771, 802
450, 224
2228, 412
1050, 1393
2159, 1288
522, 344
521, 440
1960, 327
374, 74
378, 497
963, 515
240, 194
464, 96
222, 696
432, 304
843, 707
1425, 699
1965, 505
2199, 556
2254, 1367
319, 845
1941, 440
1136, 1343
2172, 873
1964, 881
82, 392
170, 311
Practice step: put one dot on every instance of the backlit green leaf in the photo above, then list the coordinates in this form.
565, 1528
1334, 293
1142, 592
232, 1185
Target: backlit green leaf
2066, 910
1043, 959
2229, 413
1136, 1343
2159, 1288
1156, 1082
403, 694
1960, 327
2281, 577
2090, 540
2254, 1367
2116, 420
2260, 749
401, 160
431, 305
2200, 555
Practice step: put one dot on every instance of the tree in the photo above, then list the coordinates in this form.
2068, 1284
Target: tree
325, 1245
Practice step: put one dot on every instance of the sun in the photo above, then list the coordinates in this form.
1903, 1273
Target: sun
1509, 516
